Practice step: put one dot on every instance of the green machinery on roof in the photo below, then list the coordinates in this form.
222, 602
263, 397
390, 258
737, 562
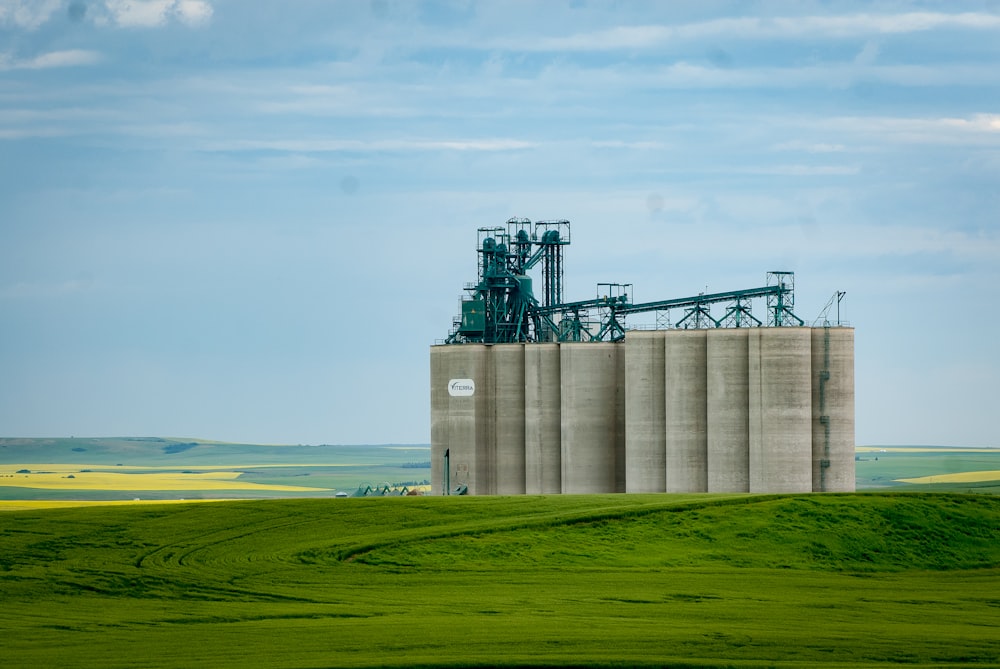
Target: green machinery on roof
502, 306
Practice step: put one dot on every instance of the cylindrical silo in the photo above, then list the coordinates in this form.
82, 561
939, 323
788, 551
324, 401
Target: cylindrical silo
685, 423
460, 396
833, 409
508, 406
645, 406
780, 409
728, 419
439, 417
542, 442
591, 424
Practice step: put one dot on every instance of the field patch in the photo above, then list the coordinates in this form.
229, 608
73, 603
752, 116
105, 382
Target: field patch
41, 504
928, 468
72, 468
264, 471
959, 477
68, 479
925, 449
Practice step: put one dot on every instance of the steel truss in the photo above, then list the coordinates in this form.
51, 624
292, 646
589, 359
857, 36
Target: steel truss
502, 307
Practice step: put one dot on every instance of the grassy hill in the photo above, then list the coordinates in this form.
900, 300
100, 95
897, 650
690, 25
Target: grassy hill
623, 580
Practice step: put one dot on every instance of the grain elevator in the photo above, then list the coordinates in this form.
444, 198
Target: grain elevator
536, 395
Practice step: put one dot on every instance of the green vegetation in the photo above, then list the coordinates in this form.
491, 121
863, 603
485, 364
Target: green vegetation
617, 580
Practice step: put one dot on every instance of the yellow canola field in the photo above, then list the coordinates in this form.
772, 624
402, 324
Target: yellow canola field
59, 480
35, 504
72, 468
960, 477
921, 449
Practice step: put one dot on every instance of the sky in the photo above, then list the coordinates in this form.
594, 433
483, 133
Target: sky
249, 221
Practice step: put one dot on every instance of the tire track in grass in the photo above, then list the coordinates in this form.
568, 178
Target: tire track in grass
889, 533
351, 553
275, 543
193, 555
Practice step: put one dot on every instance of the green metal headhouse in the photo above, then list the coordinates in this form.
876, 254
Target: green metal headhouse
502, 306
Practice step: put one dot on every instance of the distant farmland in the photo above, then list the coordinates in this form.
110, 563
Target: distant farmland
149, 468
865, 580
172, 469
928, 469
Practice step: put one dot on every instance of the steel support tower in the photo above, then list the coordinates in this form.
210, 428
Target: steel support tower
501, 307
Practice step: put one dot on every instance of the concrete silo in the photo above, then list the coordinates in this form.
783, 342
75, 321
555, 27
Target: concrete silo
507, 367
542, 419
645, 412
592, 413
685, 410
780, 385
833, 409
461, 410
728, 410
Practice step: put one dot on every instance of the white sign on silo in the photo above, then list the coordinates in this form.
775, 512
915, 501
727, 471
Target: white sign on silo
461, 387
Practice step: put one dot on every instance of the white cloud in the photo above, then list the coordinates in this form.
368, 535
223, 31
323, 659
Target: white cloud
328, 145
793, 27
31, 14
638, 145
70, 58
192, 12
799, 170
563, 79
154, 13
28, 14
809, 147
973, 129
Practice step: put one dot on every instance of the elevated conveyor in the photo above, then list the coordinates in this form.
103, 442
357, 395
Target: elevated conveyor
501, 306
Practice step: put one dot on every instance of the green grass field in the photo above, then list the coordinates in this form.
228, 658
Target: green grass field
621, 580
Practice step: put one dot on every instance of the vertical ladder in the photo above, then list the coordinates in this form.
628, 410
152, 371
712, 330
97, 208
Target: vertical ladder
824, 419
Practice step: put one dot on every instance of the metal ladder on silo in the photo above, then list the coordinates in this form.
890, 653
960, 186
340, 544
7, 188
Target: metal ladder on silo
824, 419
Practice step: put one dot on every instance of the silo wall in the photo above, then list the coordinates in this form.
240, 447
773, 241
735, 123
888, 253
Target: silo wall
592, 417
542, 440
645, 412
833, 409
753, 409
507, 362
461, 394
728, 410
780, 421
685, 406
439, 416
